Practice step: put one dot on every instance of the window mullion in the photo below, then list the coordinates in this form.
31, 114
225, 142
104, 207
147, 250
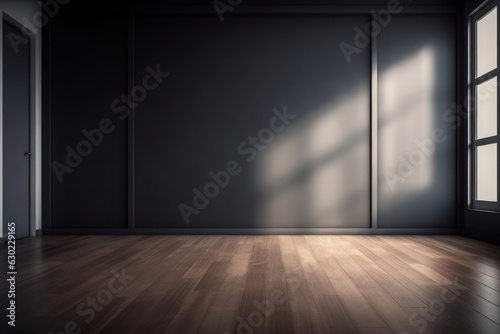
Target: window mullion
485, 77
486, 141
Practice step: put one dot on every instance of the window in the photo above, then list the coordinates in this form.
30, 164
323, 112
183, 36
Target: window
484, 108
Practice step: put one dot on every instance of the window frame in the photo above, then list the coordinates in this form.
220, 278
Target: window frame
474, 82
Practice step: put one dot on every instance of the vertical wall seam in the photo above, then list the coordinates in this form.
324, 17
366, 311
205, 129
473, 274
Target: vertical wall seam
374, 129
131, 127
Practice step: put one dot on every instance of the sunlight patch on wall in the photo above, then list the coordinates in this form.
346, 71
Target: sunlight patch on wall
317, 173
406, 113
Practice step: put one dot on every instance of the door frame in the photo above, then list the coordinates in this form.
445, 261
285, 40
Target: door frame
34, 170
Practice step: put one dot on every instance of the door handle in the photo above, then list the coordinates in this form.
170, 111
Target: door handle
27, 154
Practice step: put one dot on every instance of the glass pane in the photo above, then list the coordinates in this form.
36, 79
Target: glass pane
486, 113
486, 173
486, 43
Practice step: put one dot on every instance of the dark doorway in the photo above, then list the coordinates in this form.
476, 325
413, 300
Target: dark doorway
16, 130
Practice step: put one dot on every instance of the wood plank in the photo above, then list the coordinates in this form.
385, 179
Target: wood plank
219, 284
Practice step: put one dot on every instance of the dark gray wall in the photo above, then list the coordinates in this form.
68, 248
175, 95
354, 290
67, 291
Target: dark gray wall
225, 79
416, 141
88, 71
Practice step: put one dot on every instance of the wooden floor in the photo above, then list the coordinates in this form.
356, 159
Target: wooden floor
257, 284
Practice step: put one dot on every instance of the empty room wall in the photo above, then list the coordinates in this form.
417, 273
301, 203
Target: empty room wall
258, 121
88, 71
416, 137
225, 81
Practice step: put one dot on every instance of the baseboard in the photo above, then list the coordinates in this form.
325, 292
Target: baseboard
248, 231
39, 233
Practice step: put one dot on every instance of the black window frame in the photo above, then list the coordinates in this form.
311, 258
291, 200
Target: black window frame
474, 143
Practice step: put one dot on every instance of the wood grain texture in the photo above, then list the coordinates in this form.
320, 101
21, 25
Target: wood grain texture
257, 284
